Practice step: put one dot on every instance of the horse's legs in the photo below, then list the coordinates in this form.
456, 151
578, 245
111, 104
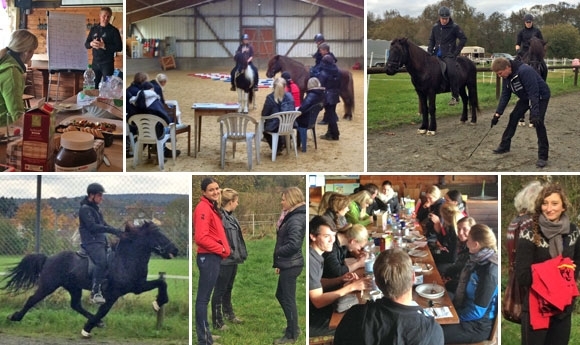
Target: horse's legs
41, 292
432, 109
464, 100
424, 115
245, 102
75, 302
161, 286
95, 320
240, 100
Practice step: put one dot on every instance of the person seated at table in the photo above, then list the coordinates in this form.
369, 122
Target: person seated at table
395, 318
427, 209
351, 240
322, 237
451, 274
324, 201
159, 84
292, 88
444, 250
476, 296
373, 207
147, 102
277, 101
454, 197
387, 199
337, 209
357, 208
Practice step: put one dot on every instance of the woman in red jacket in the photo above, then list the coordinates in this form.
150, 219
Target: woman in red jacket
212, 247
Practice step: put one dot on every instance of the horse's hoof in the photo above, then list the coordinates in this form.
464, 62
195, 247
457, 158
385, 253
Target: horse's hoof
85, 334
101, 324
472, 123
421, 131
430, 132
156, 306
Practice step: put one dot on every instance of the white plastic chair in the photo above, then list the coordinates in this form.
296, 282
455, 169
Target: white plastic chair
234, 128
146, 124
285, 128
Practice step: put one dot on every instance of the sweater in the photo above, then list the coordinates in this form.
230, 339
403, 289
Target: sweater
11, 86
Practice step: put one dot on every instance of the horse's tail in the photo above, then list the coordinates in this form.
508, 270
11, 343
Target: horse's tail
347, 93
25, 275
472, 88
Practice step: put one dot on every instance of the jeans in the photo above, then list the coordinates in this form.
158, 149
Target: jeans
286, 295
519, 110
98, 253
332, 119
558, 333
451, 63
209, 268
468, 332
221, 301
102, 69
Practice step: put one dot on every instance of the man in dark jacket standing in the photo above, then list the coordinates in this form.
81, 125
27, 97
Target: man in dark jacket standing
92, 229
330, 79
105, 40
442, 43
533, 93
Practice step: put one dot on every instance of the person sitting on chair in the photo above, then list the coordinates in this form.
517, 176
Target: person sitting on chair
92, 229
243, 48
442, 43
277, 101
314, 95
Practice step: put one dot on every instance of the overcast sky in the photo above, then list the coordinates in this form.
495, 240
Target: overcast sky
415, 8
75, 185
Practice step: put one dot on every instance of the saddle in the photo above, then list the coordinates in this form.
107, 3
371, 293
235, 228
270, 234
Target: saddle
82, 253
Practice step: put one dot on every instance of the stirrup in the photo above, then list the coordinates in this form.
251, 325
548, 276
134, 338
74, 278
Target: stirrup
97, 298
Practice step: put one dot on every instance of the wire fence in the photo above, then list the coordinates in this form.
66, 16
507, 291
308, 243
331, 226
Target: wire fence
40, 213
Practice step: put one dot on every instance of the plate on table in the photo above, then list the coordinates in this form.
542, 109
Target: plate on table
422, 267
91, 121
430, 291
63, 107
418, 253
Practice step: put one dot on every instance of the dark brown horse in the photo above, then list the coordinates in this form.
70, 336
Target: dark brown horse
300, 75
534, 57
428, 78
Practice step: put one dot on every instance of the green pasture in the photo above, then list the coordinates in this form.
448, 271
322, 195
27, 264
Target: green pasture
254, 300
392, 100
131, 319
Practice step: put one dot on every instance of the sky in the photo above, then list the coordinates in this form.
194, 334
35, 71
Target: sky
57, 186
415, 8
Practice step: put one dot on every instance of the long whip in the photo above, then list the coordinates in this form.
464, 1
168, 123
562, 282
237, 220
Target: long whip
482, 139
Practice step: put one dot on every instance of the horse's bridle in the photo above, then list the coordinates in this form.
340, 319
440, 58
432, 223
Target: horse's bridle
159, 249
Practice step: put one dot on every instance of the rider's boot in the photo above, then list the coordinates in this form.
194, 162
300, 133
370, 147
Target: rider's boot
97, 295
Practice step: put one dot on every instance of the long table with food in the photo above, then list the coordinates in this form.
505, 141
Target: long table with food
429, 293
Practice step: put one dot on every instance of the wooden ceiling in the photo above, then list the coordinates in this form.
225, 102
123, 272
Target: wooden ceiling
143, 9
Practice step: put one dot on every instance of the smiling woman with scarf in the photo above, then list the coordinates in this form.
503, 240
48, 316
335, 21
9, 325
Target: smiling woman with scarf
477, 291
549, 235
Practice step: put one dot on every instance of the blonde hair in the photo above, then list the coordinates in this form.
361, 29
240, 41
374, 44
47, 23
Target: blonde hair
469, 220
483, 235
357, 232
362, 197
21, 41
325, 202
228, 195
161, 78
293, 195
313, 83
434, 191
450, 214
279, 89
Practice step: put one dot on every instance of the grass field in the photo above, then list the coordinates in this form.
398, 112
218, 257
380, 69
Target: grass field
392, 100
254, 299
131, 319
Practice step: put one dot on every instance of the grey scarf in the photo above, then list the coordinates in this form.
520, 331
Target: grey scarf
553, 232
479, 258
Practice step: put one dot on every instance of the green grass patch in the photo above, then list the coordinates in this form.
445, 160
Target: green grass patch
131, 319
254, 299
392, 100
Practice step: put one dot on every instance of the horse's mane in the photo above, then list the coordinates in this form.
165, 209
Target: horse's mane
537, 50
290, 60
414, 49
132, 230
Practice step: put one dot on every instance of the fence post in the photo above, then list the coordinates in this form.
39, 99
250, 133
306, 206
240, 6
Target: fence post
253, 224
576, 76
161, 311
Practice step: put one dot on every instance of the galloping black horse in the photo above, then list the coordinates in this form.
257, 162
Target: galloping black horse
245, 80
535, 57
127, 273
429, 80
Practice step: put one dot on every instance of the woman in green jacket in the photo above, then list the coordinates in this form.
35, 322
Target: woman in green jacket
12, 68
357, 208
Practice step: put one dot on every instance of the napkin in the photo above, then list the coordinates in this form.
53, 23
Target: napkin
438, 312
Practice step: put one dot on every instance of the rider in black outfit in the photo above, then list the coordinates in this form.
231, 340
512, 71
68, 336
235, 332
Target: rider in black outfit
442, 43
526, 34
92, 228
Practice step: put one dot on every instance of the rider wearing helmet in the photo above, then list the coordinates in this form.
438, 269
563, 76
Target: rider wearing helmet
524, 36
244, 47
443, 44
92, 229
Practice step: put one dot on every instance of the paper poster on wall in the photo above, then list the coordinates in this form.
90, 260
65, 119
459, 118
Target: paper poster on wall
65, 38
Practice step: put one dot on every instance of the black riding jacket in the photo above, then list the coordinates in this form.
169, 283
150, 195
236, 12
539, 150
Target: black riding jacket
92, 226
524, 37
112, 39
442, 41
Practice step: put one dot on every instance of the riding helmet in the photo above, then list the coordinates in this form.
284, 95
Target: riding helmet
444, 12
528, 18
245, 37
95, 188
318, 38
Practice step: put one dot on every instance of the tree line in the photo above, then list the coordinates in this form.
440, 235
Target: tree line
559, 23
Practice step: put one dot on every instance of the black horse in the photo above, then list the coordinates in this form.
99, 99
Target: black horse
127, 273
245, 80
534, 57
429, 79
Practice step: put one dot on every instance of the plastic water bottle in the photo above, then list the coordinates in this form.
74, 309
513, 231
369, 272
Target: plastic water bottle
89, 78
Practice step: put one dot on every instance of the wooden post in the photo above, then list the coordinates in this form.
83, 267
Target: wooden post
576, 76
161, 311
